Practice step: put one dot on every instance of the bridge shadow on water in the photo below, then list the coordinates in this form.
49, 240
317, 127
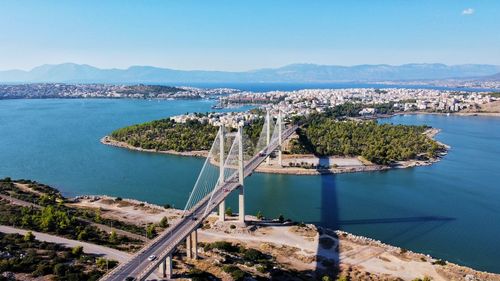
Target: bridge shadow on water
328, 258
328, 248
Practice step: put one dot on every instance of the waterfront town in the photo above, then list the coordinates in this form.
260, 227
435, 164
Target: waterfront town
61, 90
305, 102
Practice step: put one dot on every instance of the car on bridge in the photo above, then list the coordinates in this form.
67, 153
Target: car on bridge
151, 258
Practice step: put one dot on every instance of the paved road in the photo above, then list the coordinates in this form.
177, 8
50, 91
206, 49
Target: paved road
165, 244
87, 247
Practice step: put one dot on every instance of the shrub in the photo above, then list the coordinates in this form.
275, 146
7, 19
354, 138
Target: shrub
261, 268
164, 222
150, 231
259, 215
199, 275
301, 224
83, 235
103, 263
344, 278
232, 226
77, 251
221, 245
229, 212
29, 237
281, 218
252, 255
113, 238
439, 262
60, 269
235, 272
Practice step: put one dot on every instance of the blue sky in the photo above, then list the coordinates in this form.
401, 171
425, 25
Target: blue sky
244, 35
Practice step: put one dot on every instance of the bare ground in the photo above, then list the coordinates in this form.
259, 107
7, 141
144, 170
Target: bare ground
300, 248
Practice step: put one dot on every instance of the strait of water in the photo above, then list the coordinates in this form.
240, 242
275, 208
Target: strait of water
450, 210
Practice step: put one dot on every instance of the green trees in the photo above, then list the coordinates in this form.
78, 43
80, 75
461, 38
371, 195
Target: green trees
378, 143
46, 261
259, 215
320, 134
164, 222
281, 218
113, 238
29, 236
52, 219
150, 231
166, 134
77, 251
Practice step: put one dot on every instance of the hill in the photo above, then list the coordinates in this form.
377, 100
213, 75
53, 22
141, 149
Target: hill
294, 73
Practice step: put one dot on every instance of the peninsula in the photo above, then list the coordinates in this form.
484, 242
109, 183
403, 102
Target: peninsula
324, 143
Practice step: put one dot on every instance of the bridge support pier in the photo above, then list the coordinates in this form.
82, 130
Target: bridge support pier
165, 268
222, 211
189, 247
194, 244
241, 205
222, 205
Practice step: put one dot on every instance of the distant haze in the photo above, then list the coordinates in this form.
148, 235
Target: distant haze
294, 73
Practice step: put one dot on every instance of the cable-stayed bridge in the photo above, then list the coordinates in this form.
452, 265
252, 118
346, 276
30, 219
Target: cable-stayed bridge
232, 157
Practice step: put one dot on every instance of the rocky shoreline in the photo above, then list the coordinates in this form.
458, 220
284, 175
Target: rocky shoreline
302, 246
107, 140
288, 169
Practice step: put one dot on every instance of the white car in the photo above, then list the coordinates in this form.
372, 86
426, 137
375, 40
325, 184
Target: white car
152, 258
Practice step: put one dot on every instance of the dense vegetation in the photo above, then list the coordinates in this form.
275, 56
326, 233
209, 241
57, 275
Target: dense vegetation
166, 134
320, 134
24, 254
378, 143
148, 90
51, 215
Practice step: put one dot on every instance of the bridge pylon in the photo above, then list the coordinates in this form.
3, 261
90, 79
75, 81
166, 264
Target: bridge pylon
280, 145
268, 133
222, 205
241, 176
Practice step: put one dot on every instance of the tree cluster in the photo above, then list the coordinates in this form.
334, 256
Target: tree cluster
166, 134
379, 143
22, 255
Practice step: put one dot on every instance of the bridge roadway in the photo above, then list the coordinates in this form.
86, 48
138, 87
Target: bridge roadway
165, 244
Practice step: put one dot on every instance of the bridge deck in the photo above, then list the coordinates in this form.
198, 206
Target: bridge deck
165, 244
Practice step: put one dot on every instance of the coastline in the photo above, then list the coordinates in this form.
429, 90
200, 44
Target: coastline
338, 165
107, 140
471, 114
298, 246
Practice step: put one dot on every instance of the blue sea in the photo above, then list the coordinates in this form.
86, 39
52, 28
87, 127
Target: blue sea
450, 210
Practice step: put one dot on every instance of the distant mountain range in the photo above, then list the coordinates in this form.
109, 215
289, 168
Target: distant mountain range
294, 73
